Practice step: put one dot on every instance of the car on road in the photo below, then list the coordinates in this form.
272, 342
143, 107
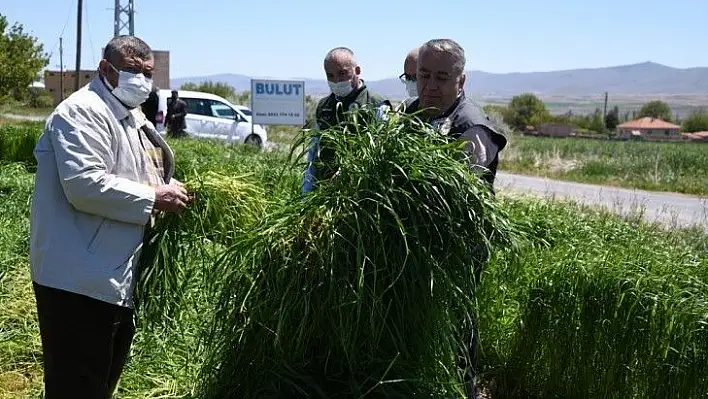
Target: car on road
212, 116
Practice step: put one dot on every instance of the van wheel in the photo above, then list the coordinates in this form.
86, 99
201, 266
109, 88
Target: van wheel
253, 140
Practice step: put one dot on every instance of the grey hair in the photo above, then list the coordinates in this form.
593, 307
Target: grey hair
337, 50
450, 47
126, 45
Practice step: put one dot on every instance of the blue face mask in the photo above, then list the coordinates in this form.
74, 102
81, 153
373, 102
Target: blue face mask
133, 88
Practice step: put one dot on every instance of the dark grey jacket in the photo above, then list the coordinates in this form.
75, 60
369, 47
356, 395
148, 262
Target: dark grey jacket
467, 121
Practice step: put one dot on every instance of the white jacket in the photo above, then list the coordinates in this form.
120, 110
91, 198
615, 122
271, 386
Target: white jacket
90, 208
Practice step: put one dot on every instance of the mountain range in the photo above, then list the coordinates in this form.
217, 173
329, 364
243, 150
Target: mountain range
647, 78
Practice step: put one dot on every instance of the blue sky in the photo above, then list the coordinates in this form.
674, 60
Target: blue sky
288, 39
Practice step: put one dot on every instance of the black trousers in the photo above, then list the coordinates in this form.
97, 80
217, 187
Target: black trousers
85, 343
176, 129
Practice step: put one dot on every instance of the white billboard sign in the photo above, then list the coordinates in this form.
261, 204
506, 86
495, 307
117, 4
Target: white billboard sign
278, 102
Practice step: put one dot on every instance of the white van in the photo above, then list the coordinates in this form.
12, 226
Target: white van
211, 116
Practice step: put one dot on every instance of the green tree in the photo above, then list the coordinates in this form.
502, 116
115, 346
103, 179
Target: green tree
696, 122
497, 114
243, 98
596, 124
656, 109
221, 89
612, 118
21, 60
526, 109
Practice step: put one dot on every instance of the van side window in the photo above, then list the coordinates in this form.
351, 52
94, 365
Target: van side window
221, 110
197, 106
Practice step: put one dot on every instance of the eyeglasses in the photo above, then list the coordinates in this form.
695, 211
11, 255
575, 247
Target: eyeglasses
407, 78
134, 70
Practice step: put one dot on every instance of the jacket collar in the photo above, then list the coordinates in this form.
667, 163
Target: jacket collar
413, 105
460, 99
117, 108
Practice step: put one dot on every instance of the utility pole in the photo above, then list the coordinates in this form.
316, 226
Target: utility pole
124, 18
78, 46
604, 114
61, 67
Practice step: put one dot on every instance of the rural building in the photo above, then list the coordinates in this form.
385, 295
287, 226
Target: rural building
556, 129
52, 82
649, 128
162, 69
52, 78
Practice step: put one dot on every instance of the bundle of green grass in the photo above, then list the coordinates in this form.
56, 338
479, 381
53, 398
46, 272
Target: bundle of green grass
364, 286
180, 248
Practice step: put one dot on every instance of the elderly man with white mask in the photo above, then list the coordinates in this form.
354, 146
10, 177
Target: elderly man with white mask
102, 174
348, 93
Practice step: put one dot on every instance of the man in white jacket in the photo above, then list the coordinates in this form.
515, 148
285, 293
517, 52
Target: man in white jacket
102, 172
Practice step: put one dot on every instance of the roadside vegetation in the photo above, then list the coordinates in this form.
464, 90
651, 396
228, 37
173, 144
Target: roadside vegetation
674, 167
583, 304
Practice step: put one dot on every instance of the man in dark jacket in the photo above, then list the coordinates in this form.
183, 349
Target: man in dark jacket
176, 112
442, 103
348, 93
149, 107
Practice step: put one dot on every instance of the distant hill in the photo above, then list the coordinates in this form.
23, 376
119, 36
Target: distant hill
646, 78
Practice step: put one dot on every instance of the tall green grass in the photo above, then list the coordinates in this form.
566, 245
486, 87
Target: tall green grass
364, 286
588, 305
19, 341
222, 209
678, 167
17, 142
596, 307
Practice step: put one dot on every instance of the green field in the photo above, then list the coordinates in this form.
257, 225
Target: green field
676, 167
583, 305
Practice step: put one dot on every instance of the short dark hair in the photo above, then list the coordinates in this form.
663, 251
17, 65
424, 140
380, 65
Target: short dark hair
174, 92
126, 45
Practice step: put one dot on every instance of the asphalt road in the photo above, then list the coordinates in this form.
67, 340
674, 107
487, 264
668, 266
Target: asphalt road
672, 210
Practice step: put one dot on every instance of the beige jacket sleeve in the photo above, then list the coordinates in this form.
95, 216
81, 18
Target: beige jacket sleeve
81, 142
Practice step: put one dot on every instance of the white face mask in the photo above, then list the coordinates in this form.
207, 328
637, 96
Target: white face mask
341, 89
133, 88
412, 88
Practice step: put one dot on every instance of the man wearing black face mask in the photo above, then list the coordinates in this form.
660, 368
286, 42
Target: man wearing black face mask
150, 105
103, 171
176, 111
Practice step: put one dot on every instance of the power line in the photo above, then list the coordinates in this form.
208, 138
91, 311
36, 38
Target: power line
90, 36
68, 16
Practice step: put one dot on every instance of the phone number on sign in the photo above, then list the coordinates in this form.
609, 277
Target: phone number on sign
279, 114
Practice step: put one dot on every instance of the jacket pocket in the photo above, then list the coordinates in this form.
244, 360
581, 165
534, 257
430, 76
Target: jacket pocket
96, 238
